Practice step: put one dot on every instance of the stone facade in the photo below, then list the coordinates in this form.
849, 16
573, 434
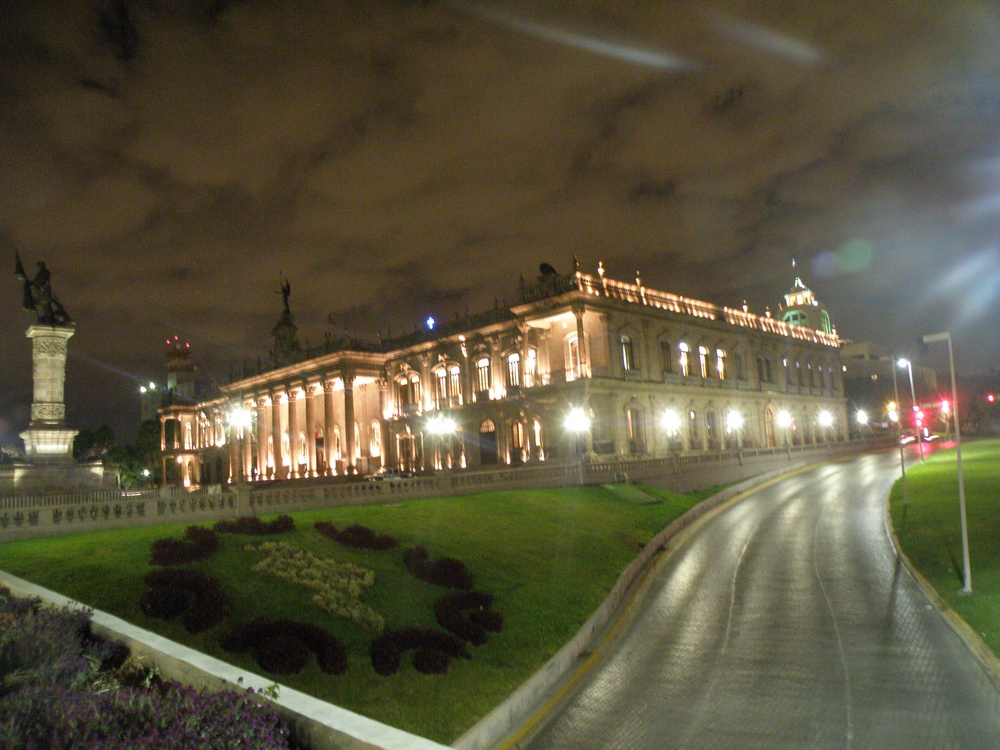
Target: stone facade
646, 373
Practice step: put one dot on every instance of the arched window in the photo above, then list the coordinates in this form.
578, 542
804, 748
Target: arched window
711, 429
720, 363
483, 379
692, 429
531, 368
574, 367
703, 361
628, 353
685, 358
357, 440
634, 430
441, 387
514, 370
666, 356
337, 454
375, 439
455, 386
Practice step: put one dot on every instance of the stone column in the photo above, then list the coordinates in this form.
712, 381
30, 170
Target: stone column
348, 378
388, 450
261, 436
310, 431
247, 433
276, 432
328, 424
581, 341
294, 446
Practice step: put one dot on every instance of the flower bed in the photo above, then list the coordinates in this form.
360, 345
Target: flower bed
445, 571
61, 687
339, 586
253, 525
198, 544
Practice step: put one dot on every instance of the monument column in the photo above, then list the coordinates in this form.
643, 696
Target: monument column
47, 436
388, 459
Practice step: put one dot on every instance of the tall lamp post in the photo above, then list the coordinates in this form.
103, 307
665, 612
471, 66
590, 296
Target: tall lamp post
933, 338
913, 399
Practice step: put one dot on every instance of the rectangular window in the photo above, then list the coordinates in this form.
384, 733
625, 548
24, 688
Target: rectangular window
455, 377
738, 366
685, 359
575, 370
530, 368
720, 363
442, 388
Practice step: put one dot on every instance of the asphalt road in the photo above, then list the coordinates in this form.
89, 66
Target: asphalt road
785, 622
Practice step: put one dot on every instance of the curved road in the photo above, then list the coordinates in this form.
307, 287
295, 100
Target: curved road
785, 622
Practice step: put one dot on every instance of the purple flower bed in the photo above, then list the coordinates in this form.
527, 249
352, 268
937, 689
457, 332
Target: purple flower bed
60, 687
357, 536
445, 571
190, 594
473, 626
198, 544
283, 646
253, 525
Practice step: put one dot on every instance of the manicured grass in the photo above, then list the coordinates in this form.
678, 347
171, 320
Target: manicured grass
549, 557
930, 534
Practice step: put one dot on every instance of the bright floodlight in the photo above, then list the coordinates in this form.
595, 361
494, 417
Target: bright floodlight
239, 417
784, 420
577, 420
903, 363
441, 425
671, 421
862, 416
734, 420
893, 415
825, 419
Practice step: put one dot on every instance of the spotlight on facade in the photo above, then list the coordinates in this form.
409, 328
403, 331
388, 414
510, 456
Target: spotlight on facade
152, 386
577, 420
824, 418
441, 425
861, 416
784, 419
671, 422
239, 417
142, 389
734, 421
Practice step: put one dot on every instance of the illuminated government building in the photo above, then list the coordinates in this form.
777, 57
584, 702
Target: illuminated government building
582, 367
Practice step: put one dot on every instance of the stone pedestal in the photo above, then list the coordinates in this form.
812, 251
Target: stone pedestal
47, 438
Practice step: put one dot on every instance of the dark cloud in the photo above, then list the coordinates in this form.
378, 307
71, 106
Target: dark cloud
400, 159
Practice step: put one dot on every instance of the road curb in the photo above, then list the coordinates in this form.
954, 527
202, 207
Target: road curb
973, 642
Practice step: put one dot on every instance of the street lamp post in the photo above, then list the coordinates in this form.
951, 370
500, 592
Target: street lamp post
933, 338
913, 400
894, 410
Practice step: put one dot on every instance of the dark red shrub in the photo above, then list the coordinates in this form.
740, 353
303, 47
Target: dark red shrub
253, 525
431, 661
446, 571
276, 643
199, 544
386, 650
165, 602
358, 536
450, 613
189, 593
282, 655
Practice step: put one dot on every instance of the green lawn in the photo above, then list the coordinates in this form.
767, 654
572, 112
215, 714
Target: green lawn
930, 534
548, 556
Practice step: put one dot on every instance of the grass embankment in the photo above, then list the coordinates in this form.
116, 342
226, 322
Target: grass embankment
930, 532
548, 556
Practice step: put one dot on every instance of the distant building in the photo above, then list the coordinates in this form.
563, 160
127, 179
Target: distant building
801, 308
868, 371
183, 382
582, 366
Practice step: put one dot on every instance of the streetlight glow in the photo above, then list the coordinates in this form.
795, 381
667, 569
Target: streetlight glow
734, 420
784, 419
862, 416
825, 418
671, 421
577, 420
441, 425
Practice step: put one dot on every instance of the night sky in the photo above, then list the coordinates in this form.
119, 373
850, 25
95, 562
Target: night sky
169, 159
